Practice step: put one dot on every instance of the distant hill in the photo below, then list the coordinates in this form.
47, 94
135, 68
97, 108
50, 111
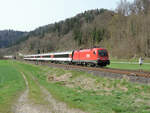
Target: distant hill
72, 33
10, 37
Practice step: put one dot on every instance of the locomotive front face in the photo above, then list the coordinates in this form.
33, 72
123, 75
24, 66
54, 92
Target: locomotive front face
103, 58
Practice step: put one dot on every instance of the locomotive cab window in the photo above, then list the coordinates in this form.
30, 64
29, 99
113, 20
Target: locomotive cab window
94, 52
102, 53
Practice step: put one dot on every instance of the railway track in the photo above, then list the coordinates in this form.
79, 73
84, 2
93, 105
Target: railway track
137, 76
140, 73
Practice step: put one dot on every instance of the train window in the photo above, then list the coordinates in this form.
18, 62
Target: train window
94, 52
102, 53
62, 56
46, 56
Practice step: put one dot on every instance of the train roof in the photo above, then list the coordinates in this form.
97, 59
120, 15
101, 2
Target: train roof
47, 54
89, 49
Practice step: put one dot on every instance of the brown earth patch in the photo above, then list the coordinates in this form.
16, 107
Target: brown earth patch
61, 78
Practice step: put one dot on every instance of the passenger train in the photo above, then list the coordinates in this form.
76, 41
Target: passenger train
92, 57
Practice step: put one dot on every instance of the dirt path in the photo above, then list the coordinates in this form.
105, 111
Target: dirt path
24, 105
54, 105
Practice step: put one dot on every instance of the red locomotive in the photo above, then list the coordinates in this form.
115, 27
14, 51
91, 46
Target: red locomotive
93, 57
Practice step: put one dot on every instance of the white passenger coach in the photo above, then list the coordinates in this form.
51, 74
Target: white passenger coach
59, 56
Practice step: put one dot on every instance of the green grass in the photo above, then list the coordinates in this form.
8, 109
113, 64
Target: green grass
130, 66
35, 94
115, 63
110, 96
11, 84
146, 60
99, 101
87, 92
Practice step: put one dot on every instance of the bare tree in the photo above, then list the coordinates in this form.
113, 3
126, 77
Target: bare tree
123, 7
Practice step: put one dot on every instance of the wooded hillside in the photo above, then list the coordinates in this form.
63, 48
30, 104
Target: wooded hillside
124, 32
10, 37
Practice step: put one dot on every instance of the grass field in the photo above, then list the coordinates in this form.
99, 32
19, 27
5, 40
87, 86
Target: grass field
92, 94
11, 84
146, 60
116, 65
129, 64
79, 89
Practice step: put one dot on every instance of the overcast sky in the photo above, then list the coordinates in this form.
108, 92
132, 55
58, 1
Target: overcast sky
26, 15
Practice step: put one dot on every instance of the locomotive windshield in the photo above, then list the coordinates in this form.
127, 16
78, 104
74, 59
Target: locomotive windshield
102, 53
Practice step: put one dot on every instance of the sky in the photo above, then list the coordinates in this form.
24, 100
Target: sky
26, 15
